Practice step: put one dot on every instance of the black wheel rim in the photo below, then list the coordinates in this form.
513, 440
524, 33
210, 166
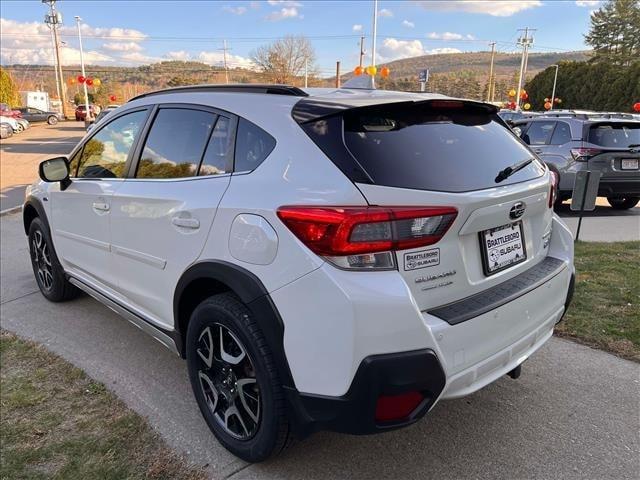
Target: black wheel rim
41, 259
228, 382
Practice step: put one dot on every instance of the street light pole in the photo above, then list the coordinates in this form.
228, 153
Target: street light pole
84, 84
553, 93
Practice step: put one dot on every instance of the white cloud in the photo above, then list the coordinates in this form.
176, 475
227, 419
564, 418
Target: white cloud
385, 12
445, 36
212, 58
357, 27
235, 10
115, 33
496, 8
394, 49
408, 24
587, 3
283, 14
284, 3
122, 47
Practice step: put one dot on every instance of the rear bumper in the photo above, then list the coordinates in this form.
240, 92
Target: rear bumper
619, 187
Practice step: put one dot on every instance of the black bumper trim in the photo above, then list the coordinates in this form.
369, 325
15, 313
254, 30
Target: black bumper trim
354, 412
487, 300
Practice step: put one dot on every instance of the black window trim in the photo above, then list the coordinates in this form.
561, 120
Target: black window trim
558, 122
80, 147
133, 167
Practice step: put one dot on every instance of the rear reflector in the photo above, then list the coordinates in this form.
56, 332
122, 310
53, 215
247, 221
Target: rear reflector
397, 407
553, 188
339, 231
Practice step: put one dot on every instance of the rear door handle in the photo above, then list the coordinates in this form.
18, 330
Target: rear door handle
101, 206
537, 150
191, 223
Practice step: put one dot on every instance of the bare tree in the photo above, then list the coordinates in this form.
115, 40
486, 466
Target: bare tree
285, 59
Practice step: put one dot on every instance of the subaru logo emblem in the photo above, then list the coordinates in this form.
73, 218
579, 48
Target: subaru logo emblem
517, 210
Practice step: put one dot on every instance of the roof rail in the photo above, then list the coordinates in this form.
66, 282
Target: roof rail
233, 87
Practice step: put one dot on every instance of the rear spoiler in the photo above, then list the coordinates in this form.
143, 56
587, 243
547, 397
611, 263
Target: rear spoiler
311, 109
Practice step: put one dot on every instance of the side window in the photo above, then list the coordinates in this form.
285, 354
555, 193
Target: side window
175, 144
562, 134
520, 129
253, 145
105, 154
539, 133
218, 157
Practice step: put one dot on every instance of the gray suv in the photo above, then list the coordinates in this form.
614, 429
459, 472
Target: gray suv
573, 143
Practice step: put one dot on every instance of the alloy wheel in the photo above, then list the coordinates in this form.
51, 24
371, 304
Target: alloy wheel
228, 381
41, 259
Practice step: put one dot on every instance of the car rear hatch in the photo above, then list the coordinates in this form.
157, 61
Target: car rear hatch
613, 148
444, 153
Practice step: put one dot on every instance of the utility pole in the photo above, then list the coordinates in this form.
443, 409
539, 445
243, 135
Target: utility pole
226, 69
375, 33
306, 73
525, 42
490, 89
53, 19
55, 65
87, 115
338, 74
361, 50
553, 92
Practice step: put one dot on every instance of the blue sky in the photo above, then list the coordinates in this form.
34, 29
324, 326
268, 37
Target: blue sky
138, 32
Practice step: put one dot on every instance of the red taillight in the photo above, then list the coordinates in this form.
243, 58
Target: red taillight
446, 104
338, 231
553, 188
397, 407
584, 154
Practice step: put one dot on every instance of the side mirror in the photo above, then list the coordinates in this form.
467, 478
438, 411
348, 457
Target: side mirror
55, 170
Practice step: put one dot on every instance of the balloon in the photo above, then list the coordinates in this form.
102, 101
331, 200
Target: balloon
512, 93
71, 81
97, 82
371, 70
112, 98
524, 95
384, 72
81, 79
558, 100
89, 82
358, 71
546, 100
547, 105
526, 106
636, 107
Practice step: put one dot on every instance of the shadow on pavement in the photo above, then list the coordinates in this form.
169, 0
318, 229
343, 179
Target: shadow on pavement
11, 197
600, 211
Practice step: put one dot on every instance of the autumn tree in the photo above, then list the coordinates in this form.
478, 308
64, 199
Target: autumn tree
8, 90
285, 59
615, 32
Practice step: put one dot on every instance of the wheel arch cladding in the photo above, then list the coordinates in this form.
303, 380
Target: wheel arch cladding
209, 278
32, 209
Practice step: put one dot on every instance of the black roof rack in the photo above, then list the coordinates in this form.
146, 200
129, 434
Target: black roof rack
234, 87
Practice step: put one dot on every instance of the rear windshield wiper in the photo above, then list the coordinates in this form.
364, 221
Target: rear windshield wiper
507, 172
634, 145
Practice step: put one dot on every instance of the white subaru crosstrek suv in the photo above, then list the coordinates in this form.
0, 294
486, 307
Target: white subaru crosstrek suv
323, 259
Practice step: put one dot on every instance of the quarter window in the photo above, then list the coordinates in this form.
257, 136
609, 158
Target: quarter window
562, 134
253, 145
219, 155
539, 133
175, 144
105, 154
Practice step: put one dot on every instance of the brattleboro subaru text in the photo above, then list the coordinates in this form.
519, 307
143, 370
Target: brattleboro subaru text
335, 259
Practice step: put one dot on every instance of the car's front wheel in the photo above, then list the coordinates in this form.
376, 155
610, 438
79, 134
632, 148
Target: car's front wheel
623, 203
47, 269
234, 379
52, 120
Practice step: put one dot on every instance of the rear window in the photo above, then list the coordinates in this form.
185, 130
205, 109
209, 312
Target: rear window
618, 135
415, 146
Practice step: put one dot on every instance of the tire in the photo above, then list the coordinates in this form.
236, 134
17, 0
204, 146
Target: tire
623, 203
20, 128
257, 429
49, 274
52, 120
78, 118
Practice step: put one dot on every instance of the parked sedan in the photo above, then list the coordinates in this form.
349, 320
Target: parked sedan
15, 126
24, 123
81, 112
5, 130
37, 115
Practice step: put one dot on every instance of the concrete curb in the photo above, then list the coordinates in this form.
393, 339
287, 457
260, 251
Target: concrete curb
9, 211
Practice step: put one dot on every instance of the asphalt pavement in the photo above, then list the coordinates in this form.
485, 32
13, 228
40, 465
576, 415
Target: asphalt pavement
574, 412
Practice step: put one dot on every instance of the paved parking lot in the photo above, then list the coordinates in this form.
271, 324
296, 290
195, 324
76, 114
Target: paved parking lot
572, 414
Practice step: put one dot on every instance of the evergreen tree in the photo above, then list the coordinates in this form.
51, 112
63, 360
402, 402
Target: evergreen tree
8, 90
615, 32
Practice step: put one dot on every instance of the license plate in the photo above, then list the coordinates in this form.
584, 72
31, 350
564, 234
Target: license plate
629, 164
502, 247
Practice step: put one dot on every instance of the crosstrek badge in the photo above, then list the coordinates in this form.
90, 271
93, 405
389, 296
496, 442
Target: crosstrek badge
422, 259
